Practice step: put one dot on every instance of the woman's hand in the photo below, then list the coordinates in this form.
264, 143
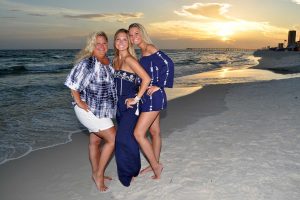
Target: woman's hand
78, 101
83, 105
152, 89
130, 102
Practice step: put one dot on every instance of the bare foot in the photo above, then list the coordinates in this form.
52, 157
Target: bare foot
105, 177
157, 171
99, 181
146, 170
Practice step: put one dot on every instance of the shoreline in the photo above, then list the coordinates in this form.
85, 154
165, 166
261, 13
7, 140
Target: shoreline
48, 169
282, 62
41, 148
182, 91
208, 141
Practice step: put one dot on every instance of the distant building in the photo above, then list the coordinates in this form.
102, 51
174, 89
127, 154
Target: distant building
280, 46
298, 45
288, 45
291, 40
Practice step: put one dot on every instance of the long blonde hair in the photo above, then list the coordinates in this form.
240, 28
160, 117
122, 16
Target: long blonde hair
130, 46
145, 36
87, 51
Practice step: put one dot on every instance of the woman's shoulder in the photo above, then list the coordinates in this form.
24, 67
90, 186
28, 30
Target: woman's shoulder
151, 49
129, 59
150, 52
84, 61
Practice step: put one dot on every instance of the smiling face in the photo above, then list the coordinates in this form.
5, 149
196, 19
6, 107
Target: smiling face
101, 46
121, 41
135, 36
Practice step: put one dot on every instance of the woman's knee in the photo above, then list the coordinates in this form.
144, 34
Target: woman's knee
139, 135
110, 135
154, 131
94, 140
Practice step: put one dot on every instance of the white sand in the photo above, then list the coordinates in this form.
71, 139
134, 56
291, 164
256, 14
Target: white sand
238, 141
249, 151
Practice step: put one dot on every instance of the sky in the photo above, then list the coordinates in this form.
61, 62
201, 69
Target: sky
171, 24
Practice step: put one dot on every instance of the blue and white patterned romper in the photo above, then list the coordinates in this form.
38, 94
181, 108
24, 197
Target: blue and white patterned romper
161, 70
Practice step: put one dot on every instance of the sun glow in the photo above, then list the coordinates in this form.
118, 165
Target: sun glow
225, 29
223, 72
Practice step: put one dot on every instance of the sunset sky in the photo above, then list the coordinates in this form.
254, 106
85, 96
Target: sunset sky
171, 23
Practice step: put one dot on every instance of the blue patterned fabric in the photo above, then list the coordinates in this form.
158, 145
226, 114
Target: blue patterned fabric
95, 82
127, 152
160, 68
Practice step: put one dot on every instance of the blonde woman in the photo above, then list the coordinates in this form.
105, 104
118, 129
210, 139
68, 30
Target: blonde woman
127, 69
92, 87
160, 68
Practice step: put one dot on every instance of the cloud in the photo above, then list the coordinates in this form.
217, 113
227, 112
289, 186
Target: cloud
206, 11
296, 1
37, 14
211, 22
67, 13
121, 17
8, 17
14, 10
214, 30
31, 9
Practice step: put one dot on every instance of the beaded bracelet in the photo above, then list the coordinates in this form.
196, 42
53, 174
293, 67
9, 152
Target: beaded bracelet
137, 99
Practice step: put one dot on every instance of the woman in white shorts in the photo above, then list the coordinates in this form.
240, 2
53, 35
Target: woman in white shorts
92, 86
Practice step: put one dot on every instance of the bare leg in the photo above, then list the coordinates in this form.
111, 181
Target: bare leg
156, 141
108, 147
144, 122
94, 154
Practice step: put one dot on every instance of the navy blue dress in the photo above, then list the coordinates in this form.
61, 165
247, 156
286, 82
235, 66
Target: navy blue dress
127, 152
160, 68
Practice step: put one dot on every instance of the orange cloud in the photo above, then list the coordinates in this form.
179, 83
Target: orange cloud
206, 11
296, 1
120, 17
218, 30
210, 21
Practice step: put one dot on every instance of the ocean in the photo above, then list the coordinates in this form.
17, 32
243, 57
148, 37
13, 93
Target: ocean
35, 106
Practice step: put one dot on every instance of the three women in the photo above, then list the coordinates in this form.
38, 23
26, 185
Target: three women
94, 92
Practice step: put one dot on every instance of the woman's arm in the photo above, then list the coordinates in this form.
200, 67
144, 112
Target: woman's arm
139, 70
78, 101
166, 70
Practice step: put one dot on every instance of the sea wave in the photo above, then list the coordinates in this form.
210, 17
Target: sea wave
34, 68
34, 100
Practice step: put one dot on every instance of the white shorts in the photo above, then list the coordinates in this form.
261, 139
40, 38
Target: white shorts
91, 122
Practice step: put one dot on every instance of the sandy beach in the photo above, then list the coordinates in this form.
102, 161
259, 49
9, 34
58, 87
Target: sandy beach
234, 141
279, 61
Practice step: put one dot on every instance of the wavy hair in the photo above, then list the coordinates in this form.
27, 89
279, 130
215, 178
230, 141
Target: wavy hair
130, 46
145, 36
87, 51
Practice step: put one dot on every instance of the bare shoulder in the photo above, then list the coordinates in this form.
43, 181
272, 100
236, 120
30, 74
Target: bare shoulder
129, 59
151, 49
131, 63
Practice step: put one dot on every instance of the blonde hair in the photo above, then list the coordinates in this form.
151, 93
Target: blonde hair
145, 36
87, 51
130, 46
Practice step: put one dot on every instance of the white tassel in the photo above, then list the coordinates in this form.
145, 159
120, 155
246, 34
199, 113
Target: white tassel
137, 112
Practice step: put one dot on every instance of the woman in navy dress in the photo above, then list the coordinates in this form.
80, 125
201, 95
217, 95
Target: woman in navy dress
127, 69
161, 70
